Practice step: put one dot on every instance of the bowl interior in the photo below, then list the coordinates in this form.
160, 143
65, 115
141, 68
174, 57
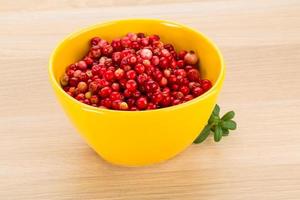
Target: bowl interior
76, 45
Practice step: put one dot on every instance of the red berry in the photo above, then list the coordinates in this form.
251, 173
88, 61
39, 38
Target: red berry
166, 101
115, 87
82, 65
146, 54
136, 72
123, 106
106, 102
130, 102
73, 81
163, 82
93, 87
109, 75
193, 75
188, 97
142, 78
115, 96
157, 97
64, 80
131, 74
107, 50
190, 58
116, 104
80, 96
181, 54
198, 91
119, 73
116, 57
87, 101
206, 84
155, 60
151, 106
95, 41
82, 86
184, 89
105, 92
142, 103
139, 68
94, 99
131, 85
163, 62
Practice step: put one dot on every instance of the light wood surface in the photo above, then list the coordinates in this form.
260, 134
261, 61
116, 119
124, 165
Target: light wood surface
42, 156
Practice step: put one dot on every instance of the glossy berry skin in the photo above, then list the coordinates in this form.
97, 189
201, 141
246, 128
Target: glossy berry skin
142, 103
133, 73
105, 92
131, 85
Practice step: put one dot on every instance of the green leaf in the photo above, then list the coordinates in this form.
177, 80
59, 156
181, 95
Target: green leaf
225, 132
218, 134
228, 116
216, 110
203, 135
231, 125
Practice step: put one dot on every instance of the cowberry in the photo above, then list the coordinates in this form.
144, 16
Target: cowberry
134, 72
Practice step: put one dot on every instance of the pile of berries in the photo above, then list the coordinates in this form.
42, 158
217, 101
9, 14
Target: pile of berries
135, 72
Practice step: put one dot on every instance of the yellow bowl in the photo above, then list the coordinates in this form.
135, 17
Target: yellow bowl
135, 138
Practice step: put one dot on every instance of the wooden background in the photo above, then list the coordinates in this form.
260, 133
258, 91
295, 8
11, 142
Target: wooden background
42, 156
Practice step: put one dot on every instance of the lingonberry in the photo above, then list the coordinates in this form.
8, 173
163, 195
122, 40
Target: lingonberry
130, 102
88, 60
139, 68
123, 106
146, 54
131, 74
181, 54
115, 96
155, 60
131, 85
82, 86
106, 102
82, 65
64, 80
87, 101
184, 89
163, 62
115, 87
136, 72
193, 75
88, 95
119, 73
109, 75
142, 78
205, 84
163, 82
142, 103
94, 86
188, 97
73, 81
116, 104
198, 91
94, 99
80, 96
105, 92
190, 58
151, 106
95, 41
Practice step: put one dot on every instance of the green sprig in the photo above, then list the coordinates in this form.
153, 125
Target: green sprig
217, 125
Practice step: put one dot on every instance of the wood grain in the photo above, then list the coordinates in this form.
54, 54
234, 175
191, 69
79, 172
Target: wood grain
42, 156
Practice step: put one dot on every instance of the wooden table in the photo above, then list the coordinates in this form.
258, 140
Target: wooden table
42, 156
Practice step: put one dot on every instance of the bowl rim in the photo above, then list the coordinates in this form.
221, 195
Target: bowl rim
84, 106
